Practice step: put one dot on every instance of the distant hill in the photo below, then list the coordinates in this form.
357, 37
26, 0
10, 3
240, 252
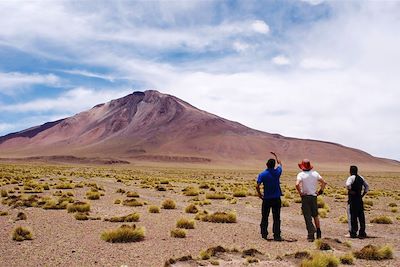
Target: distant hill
151, 126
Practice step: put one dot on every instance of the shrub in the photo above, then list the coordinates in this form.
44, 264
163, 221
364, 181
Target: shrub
371, 252
392, 204
52, 204
133, 217
321, 203
190, 191
132, 202
218, 217
215, 196
240, 193
81, 216
120, 190
191, 209
205, 255
347, 259
368, 202
323, 213
321, 260
3, 213
394, 210
382, 220
78, 207
185, 223
321, 245
117, 201
3, 193
21, 233
124, 234
233, 201
161, 188
169, 204
178, 233
92, 195
21, 216
285, 203
154, 209
132, 194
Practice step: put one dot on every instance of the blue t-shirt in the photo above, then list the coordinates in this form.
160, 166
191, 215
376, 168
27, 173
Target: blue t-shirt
270, 179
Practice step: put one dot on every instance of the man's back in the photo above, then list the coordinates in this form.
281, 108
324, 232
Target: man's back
271, 182
309, 180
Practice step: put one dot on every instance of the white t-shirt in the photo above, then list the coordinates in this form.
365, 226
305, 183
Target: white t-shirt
351, 179
309, 182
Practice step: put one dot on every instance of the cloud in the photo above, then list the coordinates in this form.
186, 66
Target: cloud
260, 27
72, 101
90, 74
281, 60
319, 64
12, 82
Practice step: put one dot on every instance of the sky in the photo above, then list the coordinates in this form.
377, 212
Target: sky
325, 70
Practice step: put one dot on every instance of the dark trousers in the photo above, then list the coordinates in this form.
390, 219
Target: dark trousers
310, 210
357, 216
267, 204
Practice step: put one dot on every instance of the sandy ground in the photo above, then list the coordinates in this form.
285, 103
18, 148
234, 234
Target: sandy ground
61, 240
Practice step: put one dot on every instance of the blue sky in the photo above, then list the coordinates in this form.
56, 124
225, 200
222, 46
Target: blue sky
326, 70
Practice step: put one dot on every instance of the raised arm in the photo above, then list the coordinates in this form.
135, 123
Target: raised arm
276, 158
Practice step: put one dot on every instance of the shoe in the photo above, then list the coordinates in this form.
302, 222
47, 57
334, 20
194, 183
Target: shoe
362, 236
278, 238
309, 239
353, 236
319, 234
264, 237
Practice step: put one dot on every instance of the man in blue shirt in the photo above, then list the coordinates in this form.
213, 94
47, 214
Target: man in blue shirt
272, 197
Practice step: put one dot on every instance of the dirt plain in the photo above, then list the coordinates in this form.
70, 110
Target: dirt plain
61, 240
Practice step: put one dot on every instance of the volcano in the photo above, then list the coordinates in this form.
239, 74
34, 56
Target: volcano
151, 126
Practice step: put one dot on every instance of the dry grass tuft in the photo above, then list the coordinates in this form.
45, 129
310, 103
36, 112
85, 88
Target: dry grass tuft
191, 209
168, 204
21, 233
191, 191
81, 216
185, 223
321, 245
92, 195
217, 217
124, 234
240, 193
347, 259
133, 217
132, 202
78, 207
3, 193
3, 213
215, 196
382, 220
21, 216
154, 209
132, 194
178, 233
321, 260
371, 252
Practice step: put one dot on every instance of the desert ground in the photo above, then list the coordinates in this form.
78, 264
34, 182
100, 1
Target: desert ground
46, 195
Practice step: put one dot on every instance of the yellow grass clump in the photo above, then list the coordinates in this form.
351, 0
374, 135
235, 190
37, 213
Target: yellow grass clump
124, 234
132, 194
371, 252
81, 216
191, 209
347, 259
185, 223
168, 204
133, 217
21, 233
382, 220
215, 195
154, 209
133, 202
178, 233
78, 207
321, 260
92, 195
217, 217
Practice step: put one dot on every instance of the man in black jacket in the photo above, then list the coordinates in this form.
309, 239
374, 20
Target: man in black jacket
357, 187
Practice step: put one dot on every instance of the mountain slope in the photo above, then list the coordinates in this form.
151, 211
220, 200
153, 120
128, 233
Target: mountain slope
153, 126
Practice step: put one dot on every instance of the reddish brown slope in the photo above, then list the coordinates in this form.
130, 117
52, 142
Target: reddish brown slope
152, 125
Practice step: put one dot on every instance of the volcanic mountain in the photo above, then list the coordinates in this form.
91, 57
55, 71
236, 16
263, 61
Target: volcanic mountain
152, 126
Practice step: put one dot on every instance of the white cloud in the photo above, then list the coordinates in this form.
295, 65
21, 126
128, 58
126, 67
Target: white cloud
11, 82
72, 101
90, 74
240, 46
260, 27
281, 60
314, 2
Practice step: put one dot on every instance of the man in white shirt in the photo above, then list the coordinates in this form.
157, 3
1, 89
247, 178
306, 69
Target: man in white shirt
355, 208
306, 184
